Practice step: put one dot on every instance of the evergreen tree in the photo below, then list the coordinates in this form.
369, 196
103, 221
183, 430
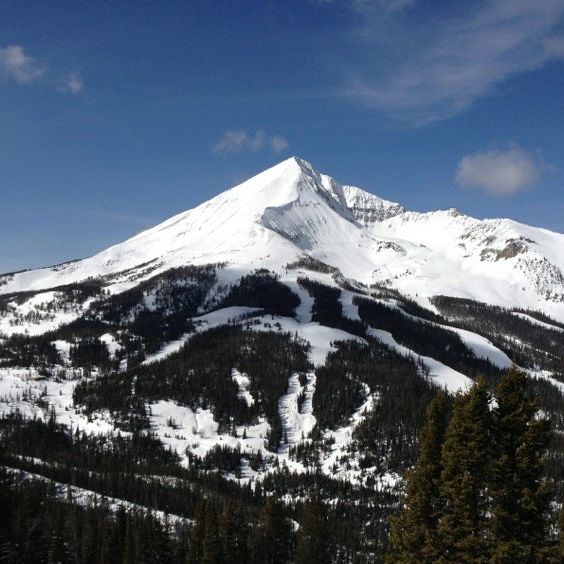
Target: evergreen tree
211, 546
195, 552
463, 530
273, 537
313, 537
413, 531
561, 533
519, 493
58, 549
233, 533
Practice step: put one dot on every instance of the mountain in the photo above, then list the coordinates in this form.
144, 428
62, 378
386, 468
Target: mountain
292, 210
282, 338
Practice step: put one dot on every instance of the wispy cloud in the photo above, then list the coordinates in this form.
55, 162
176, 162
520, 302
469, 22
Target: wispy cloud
237, 141
73, 83
499, 172
17, 65
440, 67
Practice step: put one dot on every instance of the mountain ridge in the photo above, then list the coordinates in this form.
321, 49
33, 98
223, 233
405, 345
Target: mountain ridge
292, 209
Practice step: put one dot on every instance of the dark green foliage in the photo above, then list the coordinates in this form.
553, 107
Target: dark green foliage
477, 492
234, 533
341, 521
520, 496
385, 440
536, 346
463, 530
263, 290
200, 376
41, 529
413, 533
314, 538
159, 309
227, 460
21, 350
90, 353
307, 262
339, 390
273, 538
425, 338
327, 308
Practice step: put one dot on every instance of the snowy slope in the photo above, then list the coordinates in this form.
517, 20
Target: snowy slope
497, 261
291, 209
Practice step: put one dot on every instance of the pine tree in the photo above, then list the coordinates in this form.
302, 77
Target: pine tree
519, 493
313, 536
561, 533
273, 536
234, 533
467, 456
195, 550
413, 531
58, 550
211, 546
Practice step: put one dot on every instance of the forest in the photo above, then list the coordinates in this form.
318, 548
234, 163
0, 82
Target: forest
394, 490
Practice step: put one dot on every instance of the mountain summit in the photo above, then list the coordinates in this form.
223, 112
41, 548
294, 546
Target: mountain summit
292, 210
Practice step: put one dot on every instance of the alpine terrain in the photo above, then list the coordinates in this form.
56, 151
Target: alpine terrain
269, 354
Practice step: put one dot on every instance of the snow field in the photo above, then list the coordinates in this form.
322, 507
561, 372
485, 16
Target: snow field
297, 420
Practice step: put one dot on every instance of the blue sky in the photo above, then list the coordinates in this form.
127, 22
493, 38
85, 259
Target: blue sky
116, 115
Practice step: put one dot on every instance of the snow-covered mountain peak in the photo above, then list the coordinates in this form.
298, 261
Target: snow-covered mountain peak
291, 209
277, 214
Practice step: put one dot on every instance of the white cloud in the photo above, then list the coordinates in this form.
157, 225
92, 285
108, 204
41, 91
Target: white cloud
499, 172
73, 83
439, 67
278, 143
236, 141
16, 65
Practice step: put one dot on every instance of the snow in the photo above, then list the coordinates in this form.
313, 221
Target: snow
63, 348
210, 320
33, 395
544, 375
303, 311
180, 428
350, 310
269, 221
81, 496
480, 346
297, 422
320, 338
291, 209
440, 374
110, 341
536, 321
40, 313
343, 437
243, 382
